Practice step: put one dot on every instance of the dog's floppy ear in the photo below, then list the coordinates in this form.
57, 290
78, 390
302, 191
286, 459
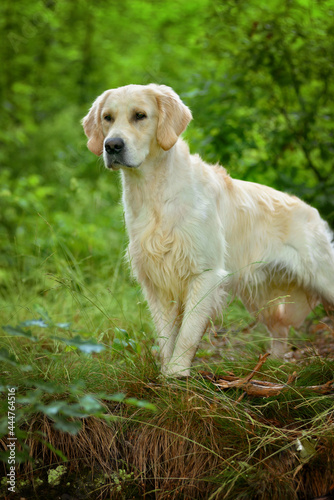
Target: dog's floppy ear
93, 127
174, 116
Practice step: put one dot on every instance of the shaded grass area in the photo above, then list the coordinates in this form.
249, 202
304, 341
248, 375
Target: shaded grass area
196, 442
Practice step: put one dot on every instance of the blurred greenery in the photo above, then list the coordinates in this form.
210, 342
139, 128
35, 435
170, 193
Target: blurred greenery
258, 77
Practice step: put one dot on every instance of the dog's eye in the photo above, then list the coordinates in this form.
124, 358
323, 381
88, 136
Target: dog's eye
107, 118
140, 116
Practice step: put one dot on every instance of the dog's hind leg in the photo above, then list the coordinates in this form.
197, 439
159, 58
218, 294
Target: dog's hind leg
284, 311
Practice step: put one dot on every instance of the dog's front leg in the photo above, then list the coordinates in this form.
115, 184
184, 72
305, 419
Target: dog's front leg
167, 320
205, 298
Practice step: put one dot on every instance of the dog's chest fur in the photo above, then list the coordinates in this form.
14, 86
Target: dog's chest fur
161, 251
161, 255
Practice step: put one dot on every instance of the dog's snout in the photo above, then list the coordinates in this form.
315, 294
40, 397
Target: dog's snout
114, 145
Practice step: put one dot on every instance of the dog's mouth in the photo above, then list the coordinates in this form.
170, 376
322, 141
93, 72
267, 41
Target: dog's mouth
113, 167
115, 164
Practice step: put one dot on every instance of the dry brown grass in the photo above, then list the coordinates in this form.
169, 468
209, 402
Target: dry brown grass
200, 448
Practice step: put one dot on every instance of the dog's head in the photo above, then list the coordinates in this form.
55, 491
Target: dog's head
128, 124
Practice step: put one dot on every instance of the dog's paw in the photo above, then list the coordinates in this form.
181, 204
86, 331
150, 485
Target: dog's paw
173, 370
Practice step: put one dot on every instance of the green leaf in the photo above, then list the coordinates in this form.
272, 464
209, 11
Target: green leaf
74, 410
119, 344
66, 426
64, 326
90, 404
118, 397
306, 447
59, 408
48, 387
53, 408
17, 331
41, 323
140, 403
35, 322
3, 426
31, 397
6, 356
86, 346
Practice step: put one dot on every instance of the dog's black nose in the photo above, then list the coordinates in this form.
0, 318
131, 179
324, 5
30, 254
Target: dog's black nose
115, 145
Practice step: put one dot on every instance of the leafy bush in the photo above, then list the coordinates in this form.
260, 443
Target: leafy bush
264, 108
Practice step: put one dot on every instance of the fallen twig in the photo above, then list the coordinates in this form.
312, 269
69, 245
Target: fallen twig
263, 388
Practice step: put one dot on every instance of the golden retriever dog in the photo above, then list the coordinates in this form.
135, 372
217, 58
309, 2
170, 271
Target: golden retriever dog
196, 235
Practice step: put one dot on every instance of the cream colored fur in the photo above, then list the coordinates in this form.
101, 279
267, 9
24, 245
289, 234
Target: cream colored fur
196, 234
